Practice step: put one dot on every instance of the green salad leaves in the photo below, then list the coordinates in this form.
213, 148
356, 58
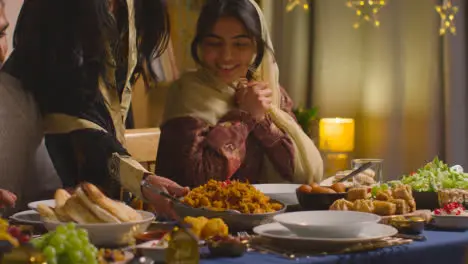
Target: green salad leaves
434, 176
384, 187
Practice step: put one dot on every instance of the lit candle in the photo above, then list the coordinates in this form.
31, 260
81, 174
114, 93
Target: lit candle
336, 134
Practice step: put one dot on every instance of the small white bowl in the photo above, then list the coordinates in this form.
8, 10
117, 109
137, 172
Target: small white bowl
285, 193
451, 221
107, 234
327, 224
153, 249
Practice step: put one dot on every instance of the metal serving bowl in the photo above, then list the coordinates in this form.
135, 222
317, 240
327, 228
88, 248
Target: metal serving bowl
408, 225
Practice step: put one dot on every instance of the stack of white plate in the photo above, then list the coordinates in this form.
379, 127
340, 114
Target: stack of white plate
326, 227
31, 217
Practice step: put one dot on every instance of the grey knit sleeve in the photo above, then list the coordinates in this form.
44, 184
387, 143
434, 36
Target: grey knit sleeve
20, 143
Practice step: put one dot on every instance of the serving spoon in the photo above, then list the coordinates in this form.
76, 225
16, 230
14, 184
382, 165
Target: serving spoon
175, 200
179, 221
355, 172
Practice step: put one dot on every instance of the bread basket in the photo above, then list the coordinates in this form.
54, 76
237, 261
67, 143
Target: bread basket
111, 234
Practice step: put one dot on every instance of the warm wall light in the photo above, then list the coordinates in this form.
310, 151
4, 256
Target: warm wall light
336, 135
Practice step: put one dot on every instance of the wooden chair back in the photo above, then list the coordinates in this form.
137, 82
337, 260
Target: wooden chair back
142, 144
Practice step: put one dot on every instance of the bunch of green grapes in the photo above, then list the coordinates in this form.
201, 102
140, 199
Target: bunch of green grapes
67, 245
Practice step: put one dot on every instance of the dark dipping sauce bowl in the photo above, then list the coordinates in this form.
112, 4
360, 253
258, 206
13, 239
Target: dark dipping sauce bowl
410, 225
318, 201
149, 236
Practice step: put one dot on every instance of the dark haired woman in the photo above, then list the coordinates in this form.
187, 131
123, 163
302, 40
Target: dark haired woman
230, 118
80, 58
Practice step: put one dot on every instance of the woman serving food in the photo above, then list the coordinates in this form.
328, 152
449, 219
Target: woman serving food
230, 118
80, 60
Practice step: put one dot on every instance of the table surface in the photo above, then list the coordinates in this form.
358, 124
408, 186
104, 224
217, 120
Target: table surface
440, 247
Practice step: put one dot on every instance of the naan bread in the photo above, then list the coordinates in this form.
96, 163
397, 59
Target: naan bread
78, 212
61, 196
46, 212
99, 212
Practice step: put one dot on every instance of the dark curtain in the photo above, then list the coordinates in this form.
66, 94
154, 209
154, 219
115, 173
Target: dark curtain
130, 122
310, 91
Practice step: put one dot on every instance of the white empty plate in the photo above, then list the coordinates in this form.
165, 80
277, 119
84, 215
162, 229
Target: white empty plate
283, 192
50, 203
327, 223
371, 232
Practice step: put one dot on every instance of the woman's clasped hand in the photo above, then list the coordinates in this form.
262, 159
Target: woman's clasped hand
254, 97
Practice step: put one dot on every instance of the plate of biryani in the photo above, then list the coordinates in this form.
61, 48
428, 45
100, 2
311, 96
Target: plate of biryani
239, 204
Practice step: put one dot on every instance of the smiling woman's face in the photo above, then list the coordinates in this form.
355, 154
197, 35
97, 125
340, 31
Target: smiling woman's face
3, 28
228, 50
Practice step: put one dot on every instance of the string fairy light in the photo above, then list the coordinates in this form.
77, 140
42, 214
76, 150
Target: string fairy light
367, 11
295, 3
447, 12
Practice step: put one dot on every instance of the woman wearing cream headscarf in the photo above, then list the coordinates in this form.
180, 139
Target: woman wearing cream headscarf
231, 118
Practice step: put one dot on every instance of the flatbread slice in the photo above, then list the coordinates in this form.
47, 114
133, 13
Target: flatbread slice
97, 197
132, 214
61, 196
101, 213
79, 213
46, 212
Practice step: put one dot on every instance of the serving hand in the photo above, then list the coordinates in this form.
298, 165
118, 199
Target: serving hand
7, 199
163, 205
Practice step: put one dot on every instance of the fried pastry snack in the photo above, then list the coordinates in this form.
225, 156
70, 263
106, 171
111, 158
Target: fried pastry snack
363, 205
403, 192
384, 208
342, 205
384, 195
412, 205
402, 206
357, 194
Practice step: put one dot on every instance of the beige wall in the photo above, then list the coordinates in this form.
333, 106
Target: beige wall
148, 104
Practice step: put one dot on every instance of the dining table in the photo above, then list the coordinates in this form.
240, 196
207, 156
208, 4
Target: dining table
439, 247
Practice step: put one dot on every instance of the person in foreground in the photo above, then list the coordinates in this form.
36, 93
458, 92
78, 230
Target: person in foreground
79, 59
26, 171
230, 119
7, 198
